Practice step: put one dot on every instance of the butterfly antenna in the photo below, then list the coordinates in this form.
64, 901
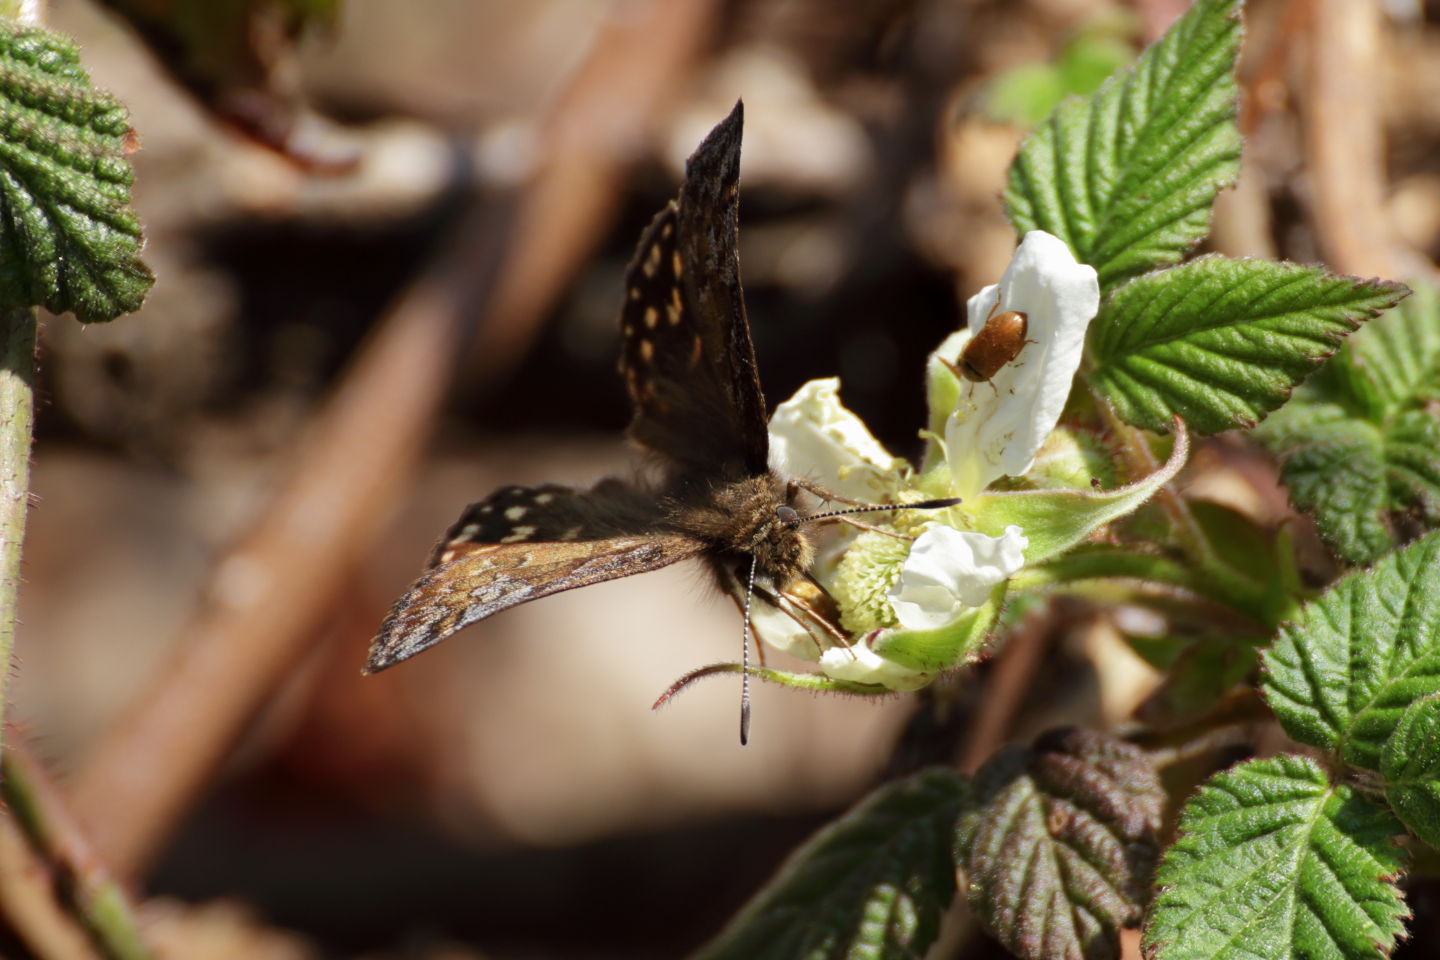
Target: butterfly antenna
939, 504
745, 659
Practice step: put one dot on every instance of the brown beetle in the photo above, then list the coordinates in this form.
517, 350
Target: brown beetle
998, 342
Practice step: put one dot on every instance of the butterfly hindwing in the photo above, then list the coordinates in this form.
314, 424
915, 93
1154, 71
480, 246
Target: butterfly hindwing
517, 514
484, 578
687, 359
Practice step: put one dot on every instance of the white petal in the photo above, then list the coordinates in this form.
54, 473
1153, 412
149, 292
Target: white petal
777, 629
812, 435
951, 571
997, 426
860, 664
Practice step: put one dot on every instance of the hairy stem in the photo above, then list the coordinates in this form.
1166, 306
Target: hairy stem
94, 897
1190, 536
17, 414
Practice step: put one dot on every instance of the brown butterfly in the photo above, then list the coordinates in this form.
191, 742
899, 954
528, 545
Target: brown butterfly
689, 368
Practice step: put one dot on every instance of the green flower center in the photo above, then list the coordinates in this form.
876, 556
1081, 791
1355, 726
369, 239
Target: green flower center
863, 579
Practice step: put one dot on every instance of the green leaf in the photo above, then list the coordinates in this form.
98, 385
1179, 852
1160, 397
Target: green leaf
1205, 671
1397, 362
1127, 176
1026, 94
1410, 764
1222, 342
872, 884
1360, 444
1274, 861
68, 239
1262, 581
1341, 677
1060, 844
1334, 467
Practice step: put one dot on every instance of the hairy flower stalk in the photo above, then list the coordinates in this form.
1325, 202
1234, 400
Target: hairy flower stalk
918, 597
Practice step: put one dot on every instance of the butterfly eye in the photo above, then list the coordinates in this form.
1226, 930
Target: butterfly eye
787, 514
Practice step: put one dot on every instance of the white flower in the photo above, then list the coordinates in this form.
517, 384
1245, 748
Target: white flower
950, 572
860, 664
997, 426
948, 575
913, 612
813, 436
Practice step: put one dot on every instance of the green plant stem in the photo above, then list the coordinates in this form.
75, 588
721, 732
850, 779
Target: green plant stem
1133, 577
1190, 536
17, 413
95, 898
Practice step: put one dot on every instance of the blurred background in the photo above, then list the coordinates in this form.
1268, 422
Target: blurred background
389, 242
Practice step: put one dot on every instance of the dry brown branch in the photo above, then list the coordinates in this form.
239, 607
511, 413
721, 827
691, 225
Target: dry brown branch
1344, 140
1005, 693
268, 594
591, 137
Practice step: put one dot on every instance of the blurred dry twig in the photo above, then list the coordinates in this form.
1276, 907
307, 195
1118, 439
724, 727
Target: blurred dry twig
1011, 680
268, 595
1345, 138
591, 137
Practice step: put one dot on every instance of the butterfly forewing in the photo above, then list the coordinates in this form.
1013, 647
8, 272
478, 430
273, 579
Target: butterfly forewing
484, 578
687, 359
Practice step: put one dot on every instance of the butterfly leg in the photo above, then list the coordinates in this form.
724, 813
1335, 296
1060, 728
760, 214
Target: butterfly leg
801, 611
805, 610
813, 488
820, 606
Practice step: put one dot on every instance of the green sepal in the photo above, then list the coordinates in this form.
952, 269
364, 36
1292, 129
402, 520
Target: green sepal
815, 682
1068, 459
1055, 520
942, 396
952, 645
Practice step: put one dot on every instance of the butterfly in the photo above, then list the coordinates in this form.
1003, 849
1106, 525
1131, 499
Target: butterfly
689, 370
